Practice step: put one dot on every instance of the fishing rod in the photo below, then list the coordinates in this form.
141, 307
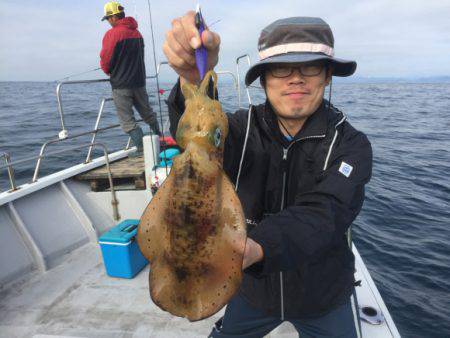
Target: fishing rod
157, 82
67, 77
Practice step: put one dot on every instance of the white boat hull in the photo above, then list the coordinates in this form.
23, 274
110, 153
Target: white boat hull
53, 283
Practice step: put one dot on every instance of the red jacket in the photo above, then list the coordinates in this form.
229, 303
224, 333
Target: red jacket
122, 55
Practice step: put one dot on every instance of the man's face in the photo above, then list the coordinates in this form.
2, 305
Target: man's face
112, 20
296, 96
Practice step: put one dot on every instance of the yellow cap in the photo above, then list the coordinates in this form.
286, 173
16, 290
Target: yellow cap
112, 8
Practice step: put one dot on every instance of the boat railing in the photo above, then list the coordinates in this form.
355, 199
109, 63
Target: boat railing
53, 141
97, 123
235, 79
9, 165
238, 72
64, 134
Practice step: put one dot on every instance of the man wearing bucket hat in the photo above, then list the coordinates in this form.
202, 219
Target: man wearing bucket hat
122, 58
301, 169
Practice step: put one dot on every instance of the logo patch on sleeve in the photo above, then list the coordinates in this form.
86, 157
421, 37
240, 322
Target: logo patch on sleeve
345, 169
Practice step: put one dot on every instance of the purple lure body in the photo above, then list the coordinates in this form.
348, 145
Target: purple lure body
201, 55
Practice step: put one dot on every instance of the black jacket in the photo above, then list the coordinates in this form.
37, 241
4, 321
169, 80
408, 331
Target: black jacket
299, 203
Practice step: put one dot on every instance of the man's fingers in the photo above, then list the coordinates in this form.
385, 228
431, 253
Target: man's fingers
173, 59
178, 49
191, 31
210, 40
181, 42
180, 36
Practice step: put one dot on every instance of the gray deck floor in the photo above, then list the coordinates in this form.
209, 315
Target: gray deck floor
78, 299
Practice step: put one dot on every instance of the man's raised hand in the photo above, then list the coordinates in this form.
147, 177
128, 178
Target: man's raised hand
181, 42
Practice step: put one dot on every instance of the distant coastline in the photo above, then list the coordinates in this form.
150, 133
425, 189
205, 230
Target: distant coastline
352, 79
373, 79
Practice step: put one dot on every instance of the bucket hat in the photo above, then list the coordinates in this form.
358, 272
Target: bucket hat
297, 40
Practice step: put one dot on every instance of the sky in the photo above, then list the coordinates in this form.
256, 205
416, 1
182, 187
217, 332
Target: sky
49, 40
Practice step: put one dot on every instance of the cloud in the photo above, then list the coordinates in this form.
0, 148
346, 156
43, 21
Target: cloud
387, 38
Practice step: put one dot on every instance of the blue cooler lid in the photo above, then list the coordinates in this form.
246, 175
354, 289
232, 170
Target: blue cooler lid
163, 163
169, 153
123, 232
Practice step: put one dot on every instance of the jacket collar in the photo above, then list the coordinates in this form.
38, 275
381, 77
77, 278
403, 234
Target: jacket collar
315, 126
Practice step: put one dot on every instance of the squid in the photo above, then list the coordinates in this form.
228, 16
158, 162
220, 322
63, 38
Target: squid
193, 230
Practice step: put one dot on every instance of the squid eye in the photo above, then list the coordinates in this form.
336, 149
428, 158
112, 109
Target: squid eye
217, 135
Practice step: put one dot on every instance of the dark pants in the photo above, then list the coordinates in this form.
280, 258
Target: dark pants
125, 99
243, 321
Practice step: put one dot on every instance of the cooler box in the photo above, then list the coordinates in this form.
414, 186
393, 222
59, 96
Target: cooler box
121, 254
166, 156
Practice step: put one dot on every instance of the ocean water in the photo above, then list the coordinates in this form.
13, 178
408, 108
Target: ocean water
403, 231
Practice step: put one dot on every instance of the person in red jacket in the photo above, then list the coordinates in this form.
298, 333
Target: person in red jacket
122, 58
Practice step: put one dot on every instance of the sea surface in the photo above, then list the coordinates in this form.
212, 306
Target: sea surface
403, 231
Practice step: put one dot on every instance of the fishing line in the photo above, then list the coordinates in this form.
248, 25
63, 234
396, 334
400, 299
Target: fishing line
244, 147
329, 94
217, 21
135, 15
67, 77
157, 82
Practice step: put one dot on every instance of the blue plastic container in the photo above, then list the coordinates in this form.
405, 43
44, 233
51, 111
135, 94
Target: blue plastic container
167, 156
169, 153
121, 254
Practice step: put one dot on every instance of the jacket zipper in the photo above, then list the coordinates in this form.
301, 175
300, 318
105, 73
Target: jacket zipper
285, 152
283, 194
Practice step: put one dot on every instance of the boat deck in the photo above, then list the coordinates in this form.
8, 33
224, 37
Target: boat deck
78, 299
124, 171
